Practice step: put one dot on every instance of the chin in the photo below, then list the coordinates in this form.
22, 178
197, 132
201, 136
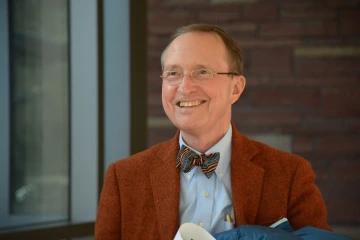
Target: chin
188, 126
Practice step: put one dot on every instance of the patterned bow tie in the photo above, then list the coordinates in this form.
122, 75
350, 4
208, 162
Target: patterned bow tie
188, 159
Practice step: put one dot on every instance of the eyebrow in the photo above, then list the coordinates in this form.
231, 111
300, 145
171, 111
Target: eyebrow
176, 66
171, 66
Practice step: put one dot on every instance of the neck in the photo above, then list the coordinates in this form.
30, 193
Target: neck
203, 142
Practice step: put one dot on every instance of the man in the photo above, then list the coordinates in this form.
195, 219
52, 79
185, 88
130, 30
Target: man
209, 173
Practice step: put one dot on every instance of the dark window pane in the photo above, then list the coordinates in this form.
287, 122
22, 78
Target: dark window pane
39, 120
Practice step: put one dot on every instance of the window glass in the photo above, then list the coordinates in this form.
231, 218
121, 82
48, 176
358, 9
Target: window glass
39, 112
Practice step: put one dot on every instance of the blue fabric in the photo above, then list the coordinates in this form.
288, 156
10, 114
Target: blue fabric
254, 232
281, 232
204, 201
311, 233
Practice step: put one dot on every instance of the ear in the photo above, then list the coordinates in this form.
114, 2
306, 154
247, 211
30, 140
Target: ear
238, 87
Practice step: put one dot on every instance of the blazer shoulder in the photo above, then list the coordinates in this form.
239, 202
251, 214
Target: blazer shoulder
261, 153
268, 156
149, 158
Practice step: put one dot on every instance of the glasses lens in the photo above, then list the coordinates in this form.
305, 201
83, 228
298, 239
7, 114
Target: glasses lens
172, 77
202, 74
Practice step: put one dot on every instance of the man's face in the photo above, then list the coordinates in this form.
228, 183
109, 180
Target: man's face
197, 108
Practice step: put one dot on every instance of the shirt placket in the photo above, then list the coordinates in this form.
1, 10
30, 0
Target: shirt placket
205, 200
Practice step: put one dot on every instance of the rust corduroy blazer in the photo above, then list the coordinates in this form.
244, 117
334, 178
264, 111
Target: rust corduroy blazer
140, 196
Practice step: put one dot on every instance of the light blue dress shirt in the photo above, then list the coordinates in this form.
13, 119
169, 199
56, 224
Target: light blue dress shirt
204, 201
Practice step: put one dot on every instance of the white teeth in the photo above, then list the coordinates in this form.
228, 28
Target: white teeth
190, 104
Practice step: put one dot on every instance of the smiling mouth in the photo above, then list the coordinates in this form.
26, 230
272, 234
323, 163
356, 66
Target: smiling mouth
190, 104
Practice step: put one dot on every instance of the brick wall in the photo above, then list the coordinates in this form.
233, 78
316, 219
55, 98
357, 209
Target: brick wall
302, 65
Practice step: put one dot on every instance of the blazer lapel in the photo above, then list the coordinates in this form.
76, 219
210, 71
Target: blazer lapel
246, 180
165, 182
246, 184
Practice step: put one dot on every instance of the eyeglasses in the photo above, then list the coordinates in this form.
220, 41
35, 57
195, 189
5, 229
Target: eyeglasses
198, 76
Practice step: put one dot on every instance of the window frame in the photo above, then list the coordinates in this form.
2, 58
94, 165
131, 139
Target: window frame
4, 112
84, 140
108, 129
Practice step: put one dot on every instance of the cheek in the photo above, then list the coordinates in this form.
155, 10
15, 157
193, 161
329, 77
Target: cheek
219, 95
167, 96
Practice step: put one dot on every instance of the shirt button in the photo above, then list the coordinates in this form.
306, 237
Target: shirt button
188, 176
206, 194
201, 224
220, 175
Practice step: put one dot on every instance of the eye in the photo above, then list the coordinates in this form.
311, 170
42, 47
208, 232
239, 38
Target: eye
204, 72
173, 73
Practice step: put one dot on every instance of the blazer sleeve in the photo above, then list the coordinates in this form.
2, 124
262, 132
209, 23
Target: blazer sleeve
306, 206
108, 220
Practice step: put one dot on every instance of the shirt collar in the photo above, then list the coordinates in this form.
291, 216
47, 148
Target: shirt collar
223, 147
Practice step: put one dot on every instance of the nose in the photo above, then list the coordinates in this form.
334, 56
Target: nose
187, 85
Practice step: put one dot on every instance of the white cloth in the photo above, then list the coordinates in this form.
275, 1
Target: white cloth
190, 231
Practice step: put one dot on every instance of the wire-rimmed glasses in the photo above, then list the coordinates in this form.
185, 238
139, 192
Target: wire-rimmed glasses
198, 76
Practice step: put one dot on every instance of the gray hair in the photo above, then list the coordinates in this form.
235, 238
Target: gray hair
235, 55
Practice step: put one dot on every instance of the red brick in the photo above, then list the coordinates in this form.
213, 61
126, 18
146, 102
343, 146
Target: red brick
257, 80
153, 61
302, 144
261, 118
220, 7
341, 199
353, 125
326, 67
342, 3
285, 97
160, 30
182, 2
152, 3
154, 81
323, 42
219, 17
318, 126
350, 28
290, 1
268, 43
306, 5
338, 187
154, 99
278, 29
160, 21
244, 99
246, 129
308, 14
338, 144
271, 60
350, 14
343, 209
157, 43
347, 172
240, 29
298, 29
322, 170
156, 111
334, 156
349, 22
260, 12
321, 81
343, 102
157, 135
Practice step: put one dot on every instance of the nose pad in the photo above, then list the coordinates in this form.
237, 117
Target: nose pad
187, 85
188, 75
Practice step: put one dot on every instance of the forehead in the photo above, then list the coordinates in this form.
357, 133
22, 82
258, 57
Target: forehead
196, 48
